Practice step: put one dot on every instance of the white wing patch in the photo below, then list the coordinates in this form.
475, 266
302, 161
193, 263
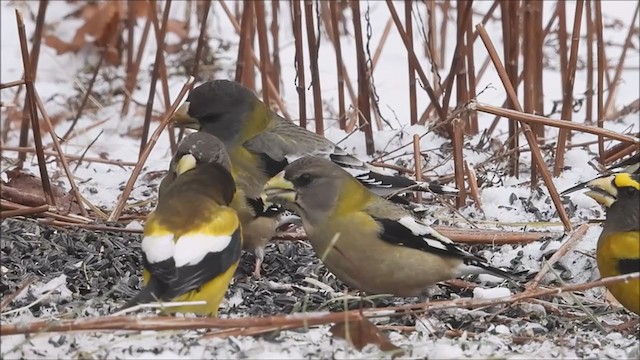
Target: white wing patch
192, 248
292, 157
422, 230
158, 248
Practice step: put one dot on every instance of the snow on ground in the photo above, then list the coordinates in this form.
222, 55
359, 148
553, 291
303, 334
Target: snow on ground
508, 203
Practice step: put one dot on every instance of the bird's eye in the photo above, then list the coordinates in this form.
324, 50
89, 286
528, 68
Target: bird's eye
628, 191
304, 179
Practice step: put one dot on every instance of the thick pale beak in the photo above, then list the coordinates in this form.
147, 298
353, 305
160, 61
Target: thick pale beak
279, 190
603, 190
181, 117
186, 163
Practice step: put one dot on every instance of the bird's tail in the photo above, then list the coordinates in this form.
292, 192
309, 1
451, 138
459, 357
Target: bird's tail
437, 188
474, 266
146, 295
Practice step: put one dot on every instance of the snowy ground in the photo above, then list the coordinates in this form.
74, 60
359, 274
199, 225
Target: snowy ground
507, 204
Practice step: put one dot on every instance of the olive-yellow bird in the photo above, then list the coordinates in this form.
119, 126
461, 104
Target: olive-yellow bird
192, 239
368, 242
261, 143
259, 222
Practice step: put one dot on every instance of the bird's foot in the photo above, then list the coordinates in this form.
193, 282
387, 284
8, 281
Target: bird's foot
259, 253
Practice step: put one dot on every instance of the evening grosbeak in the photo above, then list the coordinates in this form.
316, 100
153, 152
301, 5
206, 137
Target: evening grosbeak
261, 143
618, 249
192, 239
368, 242
259, 222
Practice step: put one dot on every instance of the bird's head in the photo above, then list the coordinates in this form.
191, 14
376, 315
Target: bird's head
310, 186
609, 190
199, 148
220, 107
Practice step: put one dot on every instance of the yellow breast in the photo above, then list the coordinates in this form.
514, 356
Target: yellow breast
611, 249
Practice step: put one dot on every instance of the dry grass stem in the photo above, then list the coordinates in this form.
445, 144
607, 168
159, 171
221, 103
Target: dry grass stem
160, 323
569, 81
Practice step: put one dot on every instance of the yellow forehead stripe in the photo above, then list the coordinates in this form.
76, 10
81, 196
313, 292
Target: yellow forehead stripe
625, 180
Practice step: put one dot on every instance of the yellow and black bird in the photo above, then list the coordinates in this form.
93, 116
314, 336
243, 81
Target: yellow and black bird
192, 239
261, 143
368, 242
618, 250
259, 222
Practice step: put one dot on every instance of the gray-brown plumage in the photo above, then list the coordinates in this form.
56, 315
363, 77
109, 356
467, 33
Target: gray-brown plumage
259, 223
260, 143
367, 241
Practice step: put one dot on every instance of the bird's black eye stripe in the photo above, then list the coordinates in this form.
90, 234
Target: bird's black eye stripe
303, 180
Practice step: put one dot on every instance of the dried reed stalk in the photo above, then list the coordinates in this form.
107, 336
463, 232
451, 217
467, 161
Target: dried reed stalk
511, 34
87, 92
342, 116
416, 63
274, 28
132, 71
342, 69
431, 48
58, 148
614, 156
69, 156
202, 38
312, 42
160, 32
589, 90
24, 211
256, 63
263, 44
417, 159
627, 43
364, 108
243, 63
537, 119
529, 78
381, 43
34, 57
71, 219
413, 106
569, 81
31, 106
11, 84
444, 25
301, 84
472, 125
601, 71
473, 185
